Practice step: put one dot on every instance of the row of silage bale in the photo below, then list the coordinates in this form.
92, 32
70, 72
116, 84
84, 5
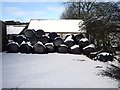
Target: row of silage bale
36, 42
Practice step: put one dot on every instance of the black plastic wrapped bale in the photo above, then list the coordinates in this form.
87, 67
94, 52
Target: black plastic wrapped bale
52, 36
77, 38
89, 49
39, 48
49, 47
11, 37
44, 39
58, 41
75, 50
12, 47
62, 49
39, 33
83, 42
20, 38
69, 41
104, 56
26, 47
33, 40
93, 55
29, 32
106, 50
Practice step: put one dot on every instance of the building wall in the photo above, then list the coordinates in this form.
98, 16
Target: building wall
3, 37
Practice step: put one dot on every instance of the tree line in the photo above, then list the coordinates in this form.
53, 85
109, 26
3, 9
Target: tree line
101, 21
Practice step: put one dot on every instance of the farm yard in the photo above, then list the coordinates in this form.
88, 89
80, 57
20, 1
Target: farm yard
67, 45
55, 70
36, 59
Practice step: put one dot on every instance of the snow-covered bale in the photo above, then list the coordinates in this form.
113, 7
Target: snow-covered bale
83, 42
62, 49
20, 38
12, 47
52, 36
69, 41
49, 47
77, 38
75, 50
93, 55
58, 41
33, 40
26, 47
39, 33
88, 49
39, 48
105, 56
44, 39
29, 32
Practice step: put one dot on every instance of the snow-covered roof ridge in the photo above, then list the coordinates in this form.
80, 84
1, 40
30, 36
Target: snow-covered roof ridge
55, 25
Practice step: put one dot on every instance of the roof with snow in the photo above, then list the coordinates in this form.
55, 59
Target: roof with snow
55, 25
14, 29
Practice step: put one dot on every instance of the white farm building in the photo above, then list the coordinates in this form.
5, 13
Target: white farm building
61, 27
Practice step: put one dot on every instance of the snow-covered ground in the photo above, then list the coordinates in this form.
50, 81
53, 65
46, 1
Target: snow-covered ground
53, 71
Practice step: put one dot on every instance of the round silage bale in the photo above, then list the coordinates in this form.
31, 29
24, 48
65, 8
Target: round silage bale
44, 39
83, 43
52, 36
58, 41
69, 41
62, 49
105, 56
75, 50
39, 48
29, 33
77, 38
20, 38
89, 49
33, 40
39, 33
49, 47
26, 47
12, 47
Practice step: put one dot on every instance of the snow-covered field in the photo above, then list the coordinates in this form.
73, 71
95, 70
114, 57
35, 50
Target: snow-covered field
53, 71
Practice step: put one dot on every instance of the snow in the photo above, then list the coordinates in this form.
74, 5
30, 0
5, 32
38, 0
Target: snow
91, 46
15, 29
63, 45
69, 38
104, 54
75, 46
28, 43
12, 42
84, 39
0, 70
49, 43
39, 43
53, 71
49, 25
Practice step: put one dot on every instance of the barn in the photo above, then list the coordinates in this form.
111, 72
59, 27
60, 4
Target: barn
61, 27
3, 38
